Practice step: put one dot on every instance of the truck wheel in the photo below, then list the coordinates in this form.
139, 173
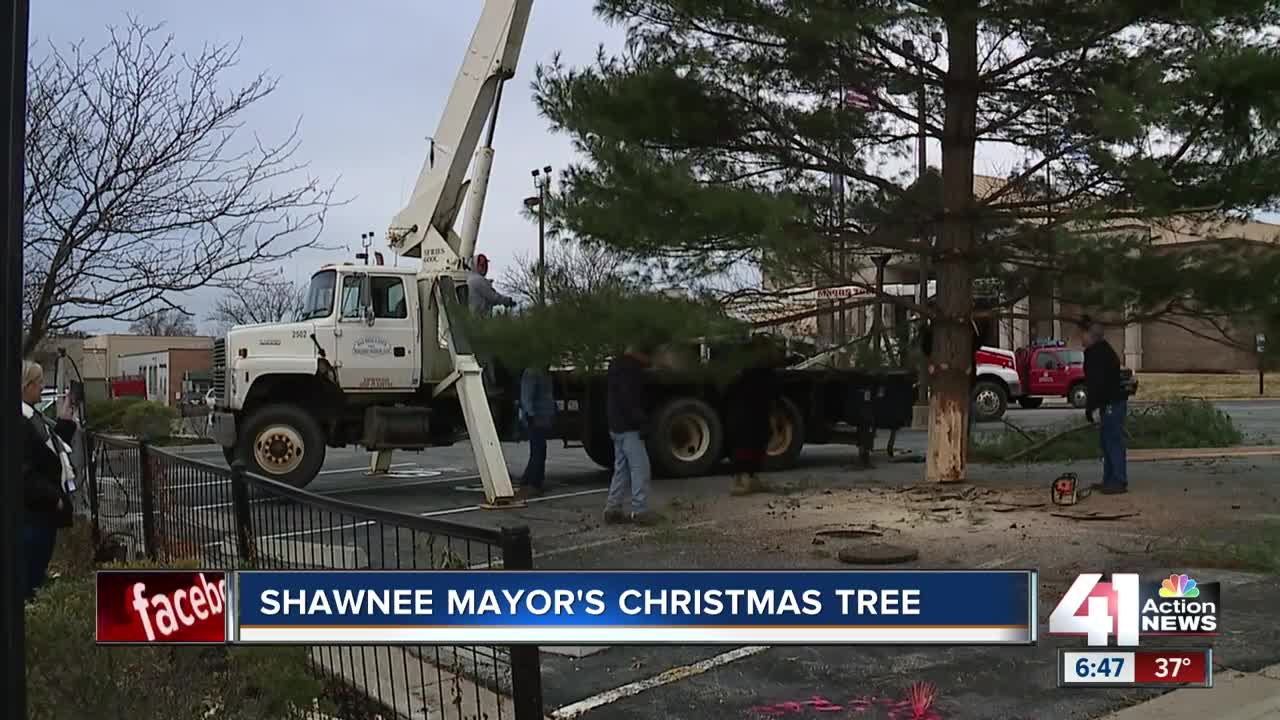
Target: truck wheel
786, 436
1078, 396
600, 450
284, 443
1030, 403
990, 400
687, 439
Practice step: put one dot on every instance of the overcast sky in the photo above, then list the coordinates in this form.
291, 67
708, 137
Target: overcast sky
368, 81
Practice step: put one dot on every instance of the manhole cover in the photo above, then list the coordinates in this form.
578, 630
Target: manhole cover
877, 554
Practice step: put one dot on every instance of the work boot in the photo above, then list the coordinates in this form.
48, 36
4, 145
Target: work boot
614, 516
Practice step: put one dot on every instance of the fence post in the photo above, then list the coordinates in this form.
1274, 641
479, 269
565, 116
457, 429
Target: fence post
91, 478
526, 665
148, 501
240, 511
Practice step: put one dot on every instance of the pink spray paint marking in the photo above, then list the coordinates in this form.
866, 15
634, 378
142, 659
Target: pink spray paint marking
917, 705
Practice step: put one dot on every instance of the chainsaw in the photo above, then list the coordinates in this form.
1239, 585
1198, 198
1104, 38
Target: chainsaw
1066, 490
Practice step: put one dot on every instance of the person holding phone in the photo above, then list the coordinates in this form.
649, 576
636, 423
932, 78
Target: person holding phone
47, 474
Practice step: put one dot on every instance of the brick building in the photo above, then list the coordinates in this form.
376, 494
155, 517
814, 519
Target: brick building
1171, 345
167, 372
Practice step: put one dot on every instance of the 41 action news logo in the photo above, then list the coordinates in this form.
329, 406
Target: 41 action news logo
1126, 608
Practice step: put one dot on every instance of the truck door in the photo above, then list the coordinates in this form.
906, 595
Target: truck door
1049, 374
377, 333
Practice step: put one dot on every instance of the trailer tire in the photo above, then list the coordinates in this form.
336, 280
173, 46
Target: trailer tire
991, 400
283, 442
600, 450
1030, 403
786, 437
687, 438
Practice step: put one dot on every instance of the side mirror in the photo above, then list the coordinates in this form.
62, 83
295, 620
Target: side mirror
368, 315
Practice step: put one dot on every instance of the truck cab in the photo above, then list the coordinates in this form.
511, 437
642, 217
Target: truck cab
1055, 371
286, 391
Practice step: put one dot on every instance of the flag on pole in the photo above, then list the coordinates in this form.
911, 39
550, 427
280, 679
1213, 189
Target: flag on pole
859, 99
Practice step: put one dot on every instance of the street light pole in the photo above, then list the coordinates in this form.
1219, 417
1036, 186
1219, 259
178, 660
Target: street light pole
541, 182
920, 412
13, 575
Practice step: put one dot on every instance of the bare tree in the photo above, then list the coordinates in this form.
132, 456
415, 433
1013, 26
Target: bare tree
141, 184
164, 323
573, 268
259, 302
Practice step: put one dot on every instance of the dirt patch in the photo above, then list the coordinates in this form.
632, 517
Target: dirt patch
994, 526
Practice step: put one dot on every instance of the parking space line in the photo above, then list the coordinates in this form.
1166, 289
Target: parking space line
430, 513
665, 677
347, 491
223, 481
595, 544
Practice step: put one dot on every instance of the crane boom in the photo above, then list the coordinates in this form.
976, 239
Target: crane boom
424, 228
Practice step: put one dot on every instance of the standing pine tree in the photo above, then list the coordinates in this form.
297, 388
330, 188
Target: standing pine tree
710, 140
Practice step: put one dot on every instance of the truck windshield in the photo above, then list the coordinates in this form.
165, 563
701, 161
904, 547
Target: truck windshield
319, 301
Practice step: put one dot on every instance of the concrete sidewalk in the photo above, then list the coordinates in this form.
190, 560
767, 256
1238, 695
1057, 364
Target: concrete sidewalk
1234, 696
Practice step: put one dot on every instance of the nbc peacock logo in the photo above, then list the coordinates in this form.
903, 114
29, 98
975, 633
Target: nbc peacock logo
1178, 605
1179, 586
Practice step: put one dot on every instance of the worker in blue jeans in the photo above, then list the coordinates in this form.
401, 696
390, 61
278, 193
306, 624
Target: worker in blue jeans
1107, 395
627, 421
538, 411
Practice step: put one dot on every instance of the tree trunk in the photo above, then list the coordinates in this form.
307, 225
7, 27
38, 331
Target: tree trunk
952, 351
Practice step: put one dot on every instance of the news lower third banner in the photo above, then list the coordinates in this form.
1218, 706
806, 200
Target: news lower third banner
634, 607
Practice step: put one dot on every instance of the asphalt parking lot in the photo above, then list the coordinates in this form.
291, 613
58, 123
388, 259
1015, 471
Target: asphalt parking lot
442, 482
593, 682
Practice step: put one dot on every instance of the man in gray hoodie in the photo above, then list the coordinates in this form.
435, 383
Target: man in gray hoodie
482, 297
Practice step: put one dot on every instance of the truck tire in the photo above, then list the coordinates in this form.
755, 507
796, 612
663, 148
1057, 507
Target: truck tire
990, 400
687, 438
787, 436
1030, 403
284, 443
600, 450
1078, 396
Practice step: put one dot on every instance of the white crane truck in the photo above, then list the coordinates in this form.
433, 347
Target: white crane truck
377, 358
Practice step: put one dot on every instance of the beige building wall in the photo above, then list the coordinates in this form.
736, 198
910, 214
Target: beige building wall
112, 347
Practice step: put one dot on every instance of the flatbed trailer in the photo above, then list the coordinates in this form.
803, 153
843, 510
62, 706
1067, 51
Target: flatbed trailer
688, 432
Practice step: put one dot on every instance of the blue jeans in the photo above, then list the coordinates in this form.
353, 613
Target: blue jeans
535, 472
1115, 472
38, 542
630, 468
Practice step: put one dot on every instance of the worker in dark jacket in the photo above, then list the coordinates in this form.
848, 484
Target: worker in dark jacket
48, 478
538, 410
1106, 394
751, 400
627, 421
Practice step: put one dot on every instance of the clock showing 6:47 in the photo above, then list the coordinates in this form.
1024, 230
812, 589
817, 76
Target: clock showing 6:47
1097, 667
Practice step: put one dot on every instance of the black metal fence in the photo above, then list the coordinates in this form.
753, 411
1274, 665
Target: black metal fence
147, 502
